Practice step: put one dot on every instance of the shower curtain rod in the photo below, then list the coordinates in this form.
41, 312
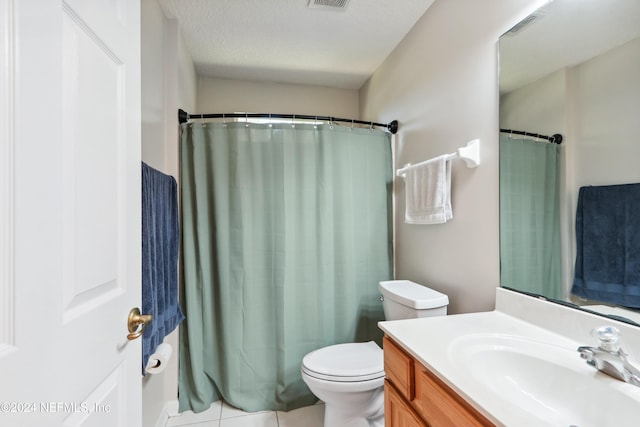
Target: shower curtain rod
555, 139
184, 117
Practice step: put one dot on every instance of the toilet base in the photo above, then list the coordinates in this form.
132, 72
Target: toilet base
354, 409
345, 415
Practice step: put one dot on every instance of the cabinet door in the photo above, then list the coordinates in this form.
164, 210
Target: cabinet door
397, 412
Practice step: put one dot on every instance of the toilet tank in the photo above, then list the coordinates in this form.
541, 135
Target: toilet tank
404, 299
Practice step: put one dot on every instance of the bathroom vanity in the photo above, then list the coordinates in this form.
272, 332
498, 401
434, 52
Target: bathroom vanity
515, 366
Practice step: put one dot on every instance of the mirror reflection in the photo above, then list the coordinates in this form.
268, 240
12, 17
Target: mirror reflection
570, 211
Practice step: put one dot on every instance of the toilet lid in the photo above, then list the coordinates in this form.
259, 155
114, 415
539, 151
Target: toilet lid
345, 362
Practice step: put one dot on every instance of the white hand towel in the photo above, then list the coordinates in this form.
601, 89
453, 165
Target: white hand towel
428, 192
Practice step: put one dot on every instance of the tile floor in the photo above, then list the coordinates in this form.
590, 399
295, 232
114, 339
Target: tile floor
223, 415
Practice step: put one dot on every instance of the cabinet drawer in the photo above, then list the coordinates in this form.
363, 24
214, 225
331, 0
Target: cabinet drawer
398, 368
441, 406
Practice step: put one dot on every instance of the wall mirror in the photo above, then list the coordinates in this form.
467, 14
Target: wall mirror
571, 68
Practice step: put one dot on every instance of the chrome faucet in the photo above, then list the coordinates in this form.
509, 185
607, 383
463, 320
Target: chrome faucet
608, 357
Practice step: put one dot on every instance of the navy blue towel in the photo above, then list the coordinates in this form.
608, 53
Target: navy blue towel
160, 239
608, 244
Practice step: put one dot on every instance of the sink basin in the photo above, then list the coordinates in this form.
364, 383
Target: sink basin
549, 382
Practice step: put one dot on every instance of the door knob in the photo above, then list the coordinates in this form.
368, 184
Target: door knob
137, 323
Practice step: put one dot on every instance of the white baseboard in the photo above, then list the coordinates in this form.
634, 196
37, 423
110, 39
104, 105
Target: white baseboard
170, 409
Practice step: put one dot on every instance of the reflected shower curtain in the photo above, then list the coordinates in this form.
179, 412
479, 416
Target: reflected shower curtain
286, 233
530, 217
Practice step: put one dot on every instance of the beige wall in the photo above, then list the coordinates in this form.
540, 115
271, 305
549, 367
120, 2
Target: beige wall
605, 126
441, 84
537, 107
153, 82
168, 82
226, 96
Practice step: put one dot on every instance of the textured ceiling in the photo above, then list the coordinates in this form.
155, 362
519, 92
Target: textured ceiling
286, 41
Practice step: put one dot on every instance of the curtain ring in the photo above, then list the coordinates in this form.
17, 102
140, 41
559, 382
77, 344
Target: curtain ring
224, 121
292, 121
315, 124
204, 125
246, 119
270, 123
370, 126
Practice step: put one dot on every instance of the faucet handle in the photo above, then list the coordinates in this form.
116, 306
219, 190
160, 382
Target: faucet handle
608, 338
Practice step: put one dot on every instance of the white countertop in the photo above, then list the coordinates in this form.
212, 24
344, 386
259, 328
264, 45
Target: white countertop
441, 344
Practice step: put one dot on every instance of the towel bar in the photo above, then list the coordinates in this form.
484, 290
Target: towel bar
469, 153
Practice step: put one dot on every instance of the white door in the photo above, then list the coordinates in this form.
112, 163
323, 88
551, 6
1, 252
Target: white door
70, 211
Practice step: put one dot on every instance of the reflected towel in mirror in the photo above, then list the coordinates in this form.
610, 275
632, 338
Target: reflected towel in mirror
608, 244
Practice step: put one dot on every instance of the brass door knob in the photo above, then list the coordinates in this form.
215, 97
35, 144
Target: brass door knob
137, 323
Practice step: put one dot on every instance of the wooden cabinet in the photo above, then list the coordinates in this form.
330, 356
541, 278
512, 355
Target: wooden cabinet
415, 397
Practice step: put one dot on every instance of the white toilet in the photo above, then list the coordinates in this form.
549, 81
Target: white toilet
349, 378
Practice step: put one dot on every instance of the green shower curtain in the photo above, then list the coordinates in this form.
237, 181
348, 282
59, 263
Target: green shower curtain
286, 233
530, 216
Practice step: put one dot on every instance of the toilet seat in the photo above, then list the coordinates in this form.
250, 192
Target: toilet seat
351, 362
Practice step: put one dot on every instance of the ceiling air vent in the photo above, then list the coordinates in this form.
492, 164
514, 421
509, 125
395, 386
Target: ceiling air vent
328, 4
